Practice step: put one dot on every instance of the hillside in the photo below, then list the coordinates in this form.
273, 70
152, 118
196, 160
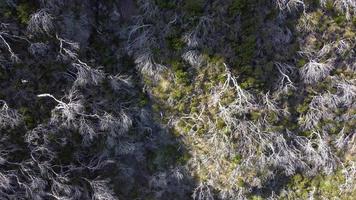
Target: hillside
177, 99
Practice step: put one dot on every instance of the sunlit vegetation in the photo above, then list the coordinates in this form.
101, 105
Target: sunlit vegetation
178, 99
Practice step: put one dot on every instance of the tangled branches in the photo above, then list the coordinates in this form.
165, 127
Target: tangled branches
285, 83
3, 34
8, 117
87, 75
314, 71
193, 58
66, 111
203, 192
346, 6
41, 23
199, 34
147, 65
290, 4
101, 191
67, 49
38, 49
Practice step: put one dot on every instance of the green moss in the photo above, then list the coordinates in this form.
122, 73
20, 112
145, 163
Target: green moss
249, 83
175, 43
156, 108
176, 65
180, 107
165, 4
143, 101
5, 10
24, 11
301, 62
221, 78
255, 197
239, 6
340, 19
216, 59
237, 159
246, 50
177, 94
322, 185
194, 7
184, 158
28, 118
255, 115
166, 156
272, 117
303, 108
181, 76
220, 124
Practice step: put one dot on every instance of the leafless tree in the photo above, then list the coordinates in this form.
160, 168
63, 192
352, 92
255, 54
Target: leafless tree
283, 155
87, 130
203, 192
200, 32
346, 91
66, 111
121, 82
87, 75
193, 58
349, 172
115, 125
14, 58
315, 71
290, 4
343, 46
147, 64
285, 83
41, 23
67, 49
101, 190
319, 108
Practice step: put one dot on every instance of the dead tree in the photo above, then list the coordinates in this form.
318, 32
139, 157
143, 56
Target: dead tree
41, 23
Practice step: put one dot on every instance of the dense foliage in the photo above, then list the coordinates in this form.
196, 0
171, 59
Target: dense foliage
177, 99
